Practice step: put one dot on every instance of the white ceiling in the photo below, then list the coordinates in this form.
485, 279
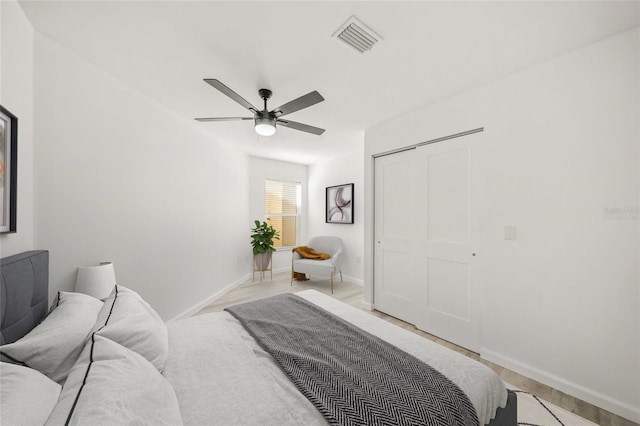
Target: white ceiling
430, 50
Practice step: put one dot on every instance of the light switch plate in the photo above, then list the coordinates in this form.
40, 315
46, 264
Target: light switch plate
510, 233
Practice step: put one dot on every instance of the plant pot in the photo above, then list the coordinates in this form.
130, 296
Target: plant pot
261, 261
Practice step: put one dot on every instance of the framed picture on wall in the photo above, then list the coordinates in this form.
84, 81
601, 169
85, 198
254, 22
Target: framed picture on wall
8, 170
339, 203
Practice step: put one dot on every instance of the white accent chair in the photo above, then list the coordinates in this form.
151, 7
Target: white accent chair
330, 245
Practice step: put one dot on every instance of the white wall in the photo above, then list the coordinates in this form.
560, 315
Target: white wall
561, 153
347, 167
261, 169
120, 178
16, 95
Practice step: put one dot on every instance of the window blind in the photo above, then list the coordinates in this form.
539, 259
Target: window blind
281, 207
280, 197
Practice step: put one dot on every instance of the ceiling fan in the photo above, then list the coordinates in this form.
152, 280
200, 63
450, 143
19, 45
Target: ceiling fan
265, 120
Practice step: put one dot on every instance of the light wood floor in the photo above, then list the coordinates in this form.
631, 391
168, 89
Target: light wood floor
352, 294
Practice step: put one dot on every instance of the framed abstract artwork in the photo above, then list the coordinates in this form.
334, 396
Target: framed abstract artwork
8, 170
339, 203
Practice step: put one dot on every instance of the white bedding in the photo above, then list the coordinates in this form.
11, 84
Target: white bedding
221, 375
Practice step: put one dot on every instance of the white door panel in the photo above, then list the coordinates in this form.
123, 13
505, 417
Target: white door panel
426, 231
395, 281
448, 288
450, 198
447, 193
398, 280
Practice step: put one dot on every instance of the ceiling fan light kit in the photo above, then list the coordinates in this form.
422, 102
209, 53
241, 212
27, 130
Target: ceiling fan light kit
265, 120
265, 126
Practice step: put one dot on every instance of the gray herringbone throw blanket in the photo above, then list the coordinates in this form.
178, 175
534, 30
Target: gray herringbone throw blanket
351, 376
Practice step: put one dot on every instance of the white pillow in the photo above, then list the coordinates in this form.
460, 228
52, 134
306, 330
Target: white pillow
111, 385
27, 396
128, 320
54, 345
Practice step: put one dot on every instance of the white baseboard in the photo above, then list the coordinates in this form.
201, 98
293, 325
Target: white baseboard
360, 282
588, 395
368, 305
189, 312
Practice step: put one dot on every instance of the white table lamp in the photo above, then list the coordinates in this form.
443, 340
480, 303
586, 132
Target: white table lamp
96, 281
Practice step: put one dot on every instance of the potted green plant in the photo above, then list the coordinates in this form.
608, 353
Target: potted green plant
262, 237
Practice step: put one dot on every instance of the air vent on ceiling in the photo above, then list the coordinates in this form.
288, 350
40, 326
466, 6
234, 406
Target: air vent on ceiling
357, 35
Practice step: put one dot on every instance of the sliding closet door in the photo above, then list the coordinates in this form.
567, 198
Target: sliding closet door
395, 279
426, 234
449, 228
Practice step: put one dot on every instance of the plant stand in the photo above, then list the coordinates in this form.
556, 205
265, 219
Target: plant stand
259, 262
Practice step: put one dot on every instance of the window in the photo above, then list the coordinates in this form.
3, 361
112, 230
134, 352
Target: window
282, 210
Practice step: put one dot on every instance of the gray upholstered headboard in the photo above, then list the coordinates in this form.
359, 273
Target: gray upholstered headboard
24, 293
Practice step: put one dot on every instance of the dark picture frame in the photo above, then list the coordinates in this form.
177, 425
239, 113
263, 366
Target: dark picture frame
339, 203
8, 171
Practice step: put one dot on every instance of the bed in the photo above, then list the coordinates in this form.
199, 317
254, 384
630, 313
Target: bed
122, 364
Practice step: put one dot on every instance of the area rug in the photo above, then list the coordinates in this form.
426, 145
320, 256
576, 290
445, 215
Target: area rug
534, 411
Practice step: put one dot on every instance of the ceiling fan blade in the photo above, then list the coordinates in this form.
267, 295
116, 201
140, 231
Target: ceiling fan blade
299, 126
225, 119
302, 102
230, 93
